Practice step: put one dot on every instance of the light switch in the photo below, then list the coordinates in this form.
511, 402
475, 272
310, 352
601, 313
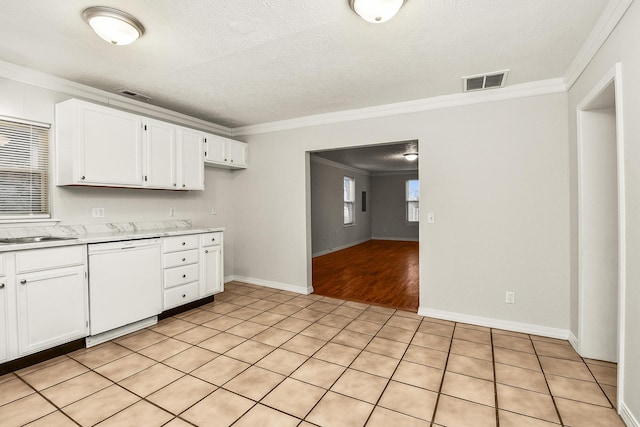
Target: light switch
431, 218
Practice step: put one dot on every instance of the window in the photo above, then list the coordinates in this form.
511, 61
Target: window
349, 197
413, 200
24, 170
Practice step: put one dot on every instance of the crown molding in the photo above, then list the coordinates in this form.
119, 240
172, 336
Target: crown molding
67, 87
327, 162
612, 14
542, 87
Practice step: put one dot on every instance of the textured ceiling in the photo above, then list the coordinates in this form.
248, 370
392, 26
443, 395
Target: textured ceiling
375, 158
243, 62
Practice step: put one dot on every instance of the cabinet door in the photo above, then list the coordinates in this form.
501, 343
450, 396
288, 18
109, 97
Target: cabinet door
190, 160
160, 155
237, 153
4, 333
216, 149
110, 147
52, 308
211, 282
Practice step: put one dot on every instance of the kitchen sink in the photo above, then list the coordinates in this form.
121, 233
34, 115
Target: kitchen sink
34, 239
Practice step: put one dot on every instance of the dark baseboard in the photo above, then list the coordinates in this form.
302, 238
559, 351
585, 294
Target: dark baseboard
186, 307
50, 353
33, 359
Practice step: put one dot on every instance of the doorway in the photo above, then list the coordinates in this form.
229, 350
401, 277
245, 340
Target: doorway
601, 224
364, 224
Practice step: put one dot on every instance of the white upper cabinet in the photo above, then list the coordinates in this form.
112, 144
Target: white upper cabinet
190, 159
97, 145
225, 152
160, 154
101, 146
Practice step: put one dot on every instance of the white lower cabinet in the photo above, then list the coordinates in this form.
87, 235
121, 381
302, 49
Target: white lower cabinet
192, 268
4, 336
44, 300
211, 264
51, 308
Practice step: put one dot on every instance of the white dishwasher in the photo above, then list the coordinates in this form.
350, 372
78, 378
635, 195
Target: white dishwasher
125, 283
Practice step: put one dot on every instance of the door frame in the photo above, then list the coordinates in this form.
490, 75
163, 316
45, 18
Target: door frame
613, 76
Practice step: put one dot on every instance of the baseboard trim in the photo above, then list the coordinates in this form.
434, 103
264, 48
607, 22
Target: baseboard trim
627, 416
507, 325
398, 239
574, 342
275, 285
339, 248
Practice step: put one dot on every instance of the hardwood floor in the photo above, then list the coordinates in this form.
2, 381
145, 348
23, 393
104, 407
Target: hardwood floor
381, 272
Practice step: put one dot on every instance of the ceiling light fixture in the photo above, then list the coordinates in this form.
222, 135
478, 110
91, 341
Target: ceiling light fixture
113, 25
376, 11
410, 156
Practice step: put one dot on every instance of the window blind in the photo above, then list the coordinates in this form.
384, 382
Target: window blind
413, 200
349, 195
24, 170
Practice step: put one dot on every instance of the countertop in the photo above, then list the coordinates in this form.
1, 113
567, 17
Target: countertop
100, 234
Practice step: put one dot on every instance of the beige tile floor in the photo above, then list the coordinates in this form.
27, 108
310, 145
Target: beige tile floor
262, 357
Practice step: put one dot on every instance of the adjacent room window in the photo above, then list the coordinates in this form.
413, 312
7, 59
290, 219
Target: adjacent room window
349, 196
24, 170
412, 194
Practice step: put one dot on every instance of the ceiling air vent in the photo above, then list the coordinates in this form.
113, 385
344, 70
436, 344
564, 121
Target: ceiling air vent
484, 81
134, 95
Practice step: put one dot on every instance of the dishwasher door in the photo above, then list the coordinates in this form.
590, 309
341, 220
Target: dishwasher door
125, 283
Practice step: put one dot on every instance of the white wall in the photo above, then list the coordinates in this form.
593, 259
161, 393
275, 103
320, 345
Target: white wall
621, 46
73, 205
389, 207
328, 232
498, 186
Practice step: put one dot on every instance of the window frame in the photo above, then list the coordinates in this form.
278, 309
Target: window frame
39, 151
349, 201
411, 201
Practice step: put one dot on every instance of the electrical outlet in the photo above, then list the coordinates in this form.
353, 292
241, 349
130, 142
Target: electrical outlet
172, 211
97, 212
213, 211
431, 218
510, 297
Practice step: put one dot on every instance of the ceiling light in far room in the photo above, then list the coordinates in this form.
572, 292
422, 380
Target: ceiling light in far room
113, 25
376, 11
410, 156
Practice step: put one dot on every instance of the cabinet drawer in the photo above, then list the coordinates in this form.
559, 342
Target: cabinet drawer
180, 243
181, 295
211, 239
2, 273
175, 259
180, 275
43, 259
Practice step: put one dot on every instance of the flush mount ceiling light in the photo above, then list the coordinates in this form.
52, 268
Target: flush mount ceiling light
113, 25
410, 156
376, 11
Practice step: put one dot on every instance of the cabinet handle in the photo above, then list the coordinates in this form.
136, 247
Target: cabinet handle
206, 251
184, 185
175, 185
184, 276
184, 295
213, 240
1, 285
82, 177
184, 243
184, 259
23, 282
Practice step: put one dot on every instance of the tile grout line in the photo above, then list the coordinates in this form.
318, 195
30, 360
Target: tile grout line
375, 405
553, 399
444, 372
495, 382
